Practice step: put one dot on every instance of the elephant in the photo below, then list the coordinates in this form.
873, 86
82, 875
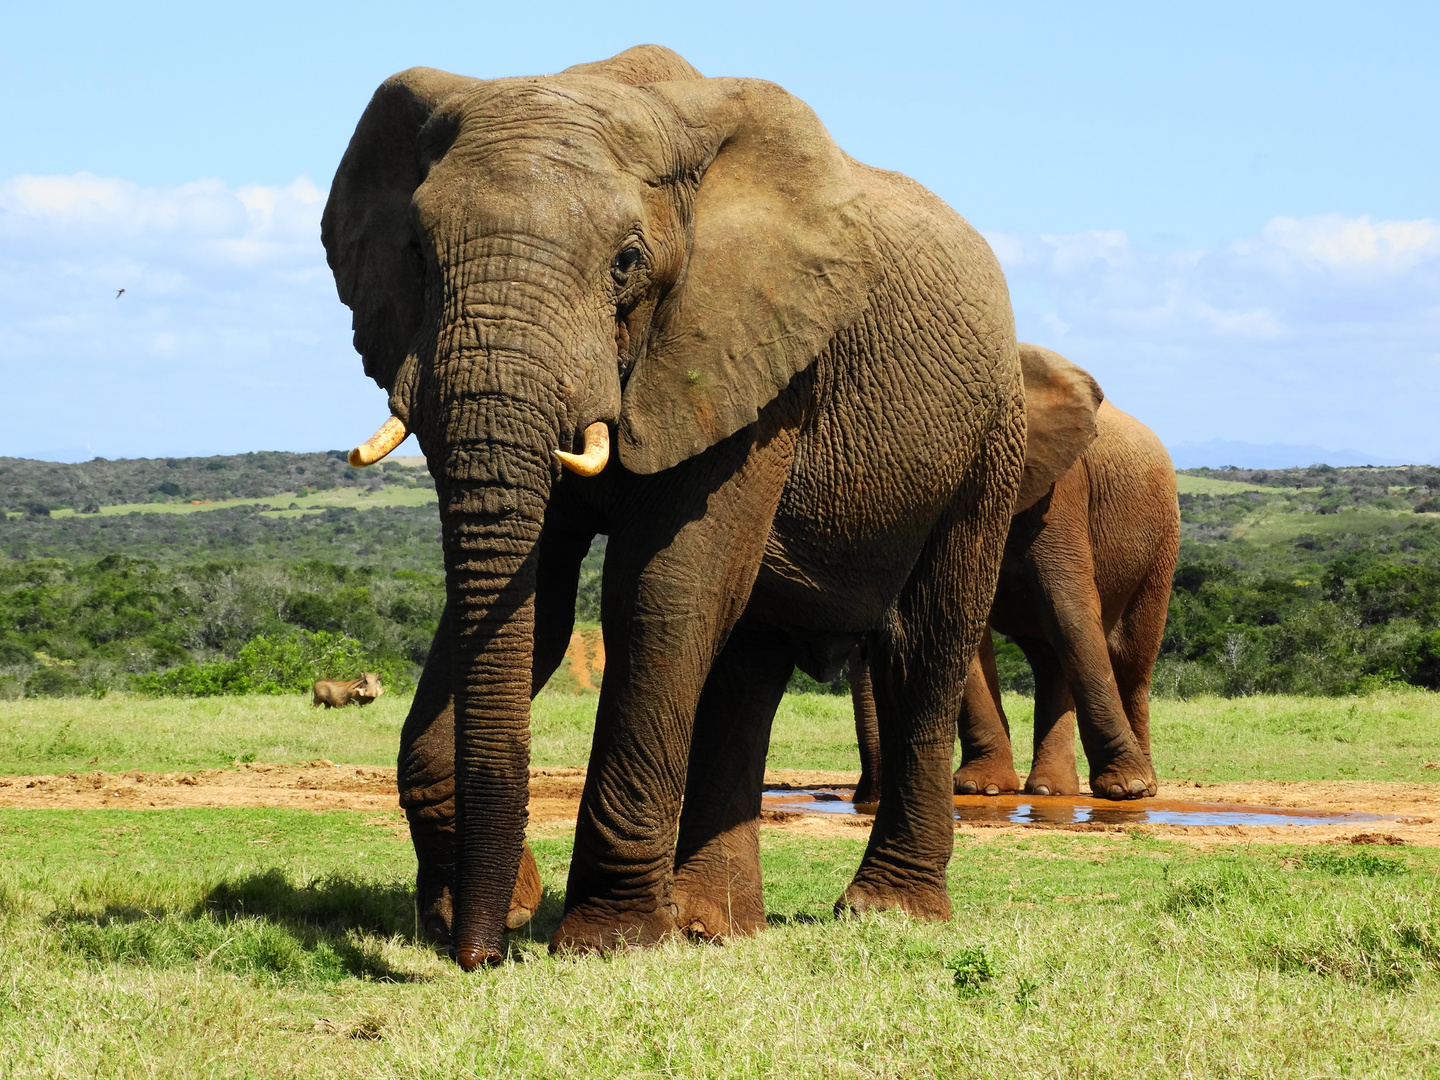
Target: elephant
337, 693
807, 368
1084, 590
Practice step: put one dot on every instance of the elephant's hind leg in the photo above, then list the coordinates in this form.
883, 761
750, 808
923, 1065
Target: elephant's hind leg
918, 661
717, 890
1135, 643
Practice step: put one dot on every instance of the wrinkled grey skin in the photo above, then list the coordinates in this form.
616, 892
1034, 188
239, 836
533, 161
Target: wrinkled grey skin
810, 372
337, 693
1084, 590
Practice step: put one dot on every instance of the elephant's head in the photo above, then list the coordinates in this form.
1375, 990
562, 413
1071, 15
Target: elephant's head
1061, 400
531, 262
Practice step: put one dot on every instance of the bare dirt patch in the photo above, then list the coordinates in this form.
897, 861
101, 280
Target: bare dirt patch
1410, 811
319, 785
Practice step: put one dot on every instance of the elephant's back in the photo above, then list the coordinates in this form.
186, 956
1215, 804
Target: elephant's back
1134, 512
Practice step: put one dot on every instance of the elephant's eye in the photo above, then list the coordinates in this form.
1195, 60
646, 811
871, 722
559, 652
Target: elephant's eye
624, 263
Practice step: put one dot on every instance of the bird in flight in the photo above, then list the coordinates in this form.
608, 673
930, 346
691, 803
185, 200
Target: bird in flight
119, 294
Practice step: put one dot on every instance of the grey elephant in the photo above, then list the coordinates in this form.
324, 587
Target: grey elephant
337, 693
1084, 590
808, 370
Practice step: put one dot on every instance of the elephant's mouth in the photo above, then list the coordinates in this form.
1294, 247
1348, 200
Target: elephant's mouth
591, 461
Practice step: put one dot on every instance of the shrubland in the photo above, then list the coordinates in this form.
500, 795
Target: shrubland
36, 488
1312, 581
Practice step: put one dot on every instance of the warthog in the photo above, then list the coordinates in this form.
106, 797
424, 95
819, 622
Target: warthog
337, 693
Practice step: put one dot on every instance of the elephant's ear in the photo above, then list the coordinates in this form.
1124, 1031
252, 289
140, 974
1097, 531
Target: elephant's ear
780, 259
1060, 403
366, 229
638, 66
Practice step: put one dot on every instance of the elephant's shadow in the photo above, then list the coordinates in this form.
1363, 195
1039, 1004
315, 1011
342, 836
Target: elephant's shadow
541, 927
552, 909
263, 924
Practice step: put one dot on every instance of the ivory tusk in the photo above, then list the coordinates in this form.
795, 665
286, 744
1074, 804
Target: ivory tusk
391, 434
597, 451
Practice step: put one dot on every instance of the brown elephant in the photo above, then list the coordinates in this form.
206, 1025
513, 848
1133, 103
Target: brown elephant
809, 369
1084, 590
337, 693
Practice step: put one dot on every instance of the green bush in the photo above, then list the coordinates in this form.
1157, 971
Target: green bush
284, 665
53, 682
1012, 667
800, 683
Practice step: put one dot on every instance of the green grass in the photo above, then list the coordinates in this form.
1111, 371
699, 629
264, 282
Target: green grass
1387, 735
1276, 525
281, 943
1205, 485
311, 503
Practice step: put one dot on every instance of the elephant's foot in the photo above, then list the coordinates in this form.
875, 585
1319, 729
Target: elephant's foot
525, 900
867, 793
1130, 777
594, 927
712, 917
987, 776
717, 899
1046, 779
919, 901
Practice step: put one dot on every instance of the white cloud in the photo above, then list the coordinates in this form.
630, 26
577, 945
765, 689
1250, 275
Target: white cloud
1320, 330
228, 337
1384, 249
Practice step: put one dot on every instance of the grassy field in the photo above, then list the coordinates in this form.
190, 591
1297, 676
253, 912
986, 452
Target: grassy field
287, 504
1383, 736
1279, 525
281, 943
1205, 485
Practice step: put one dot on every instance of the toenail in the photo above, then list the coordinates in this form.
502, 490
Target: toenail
991, 789
968, 787
1137, 787
1116, 791
1042, 790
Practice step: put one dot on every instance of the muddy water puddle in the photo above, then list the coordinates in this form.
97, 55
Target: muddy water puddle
1068, 810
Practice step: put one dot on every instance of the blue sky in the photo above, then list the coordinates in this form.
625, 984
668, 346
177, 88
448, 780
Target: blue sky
1228, 213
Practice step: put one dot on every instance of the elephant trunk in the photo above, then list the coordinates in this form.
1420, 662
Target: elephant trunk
490, 535
504, 388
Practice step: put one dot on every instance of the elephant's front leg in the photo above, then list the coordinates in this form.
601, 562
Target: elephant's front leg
717, 891
425, 773
987, 760
867, 730
678, 574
